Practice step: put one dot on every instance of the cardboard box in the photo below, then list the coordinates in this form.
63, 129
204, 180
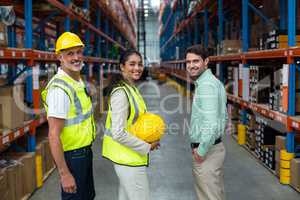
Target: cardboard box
4, 185
3, 80
277, 156
43, 149
11, 115
28, 172
48, 159
280, 142
295, 173
3, 35
283, 45
231, 46
20, 39
277, 168
284, 38
14, 181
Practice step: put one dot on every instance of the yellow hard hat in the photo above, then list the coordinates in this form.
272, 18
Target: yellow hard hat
149, 127
67, 40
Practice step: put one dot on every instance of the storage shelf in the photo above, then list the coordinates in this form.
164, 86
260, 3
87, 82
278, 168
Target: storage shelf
180, 75
32, 56
116, 20
127, 11
290, 122
261, 109
9, 136
186, 22
288, 53
70, 13
257, 158
168, 19
229, 57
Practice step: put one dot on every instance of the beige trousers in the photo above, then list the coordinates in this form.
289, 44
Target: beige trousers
209, 176
134, 183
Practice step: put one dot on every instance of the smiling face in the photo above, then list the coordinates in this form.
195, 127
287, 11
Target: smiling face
195, 65
133, 68
72, 59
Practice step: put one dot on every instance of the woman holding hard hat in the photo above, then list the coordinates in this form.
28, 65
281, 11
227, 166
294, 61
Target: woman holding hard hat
128, 152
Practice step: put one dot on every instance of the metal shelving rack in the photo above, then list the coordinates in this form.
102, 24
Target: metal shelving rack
172, 37
33, 59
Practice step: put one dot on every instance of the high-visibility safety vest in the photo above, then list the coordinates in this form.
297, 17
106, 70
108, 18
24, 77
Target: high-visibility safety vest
112, 149
79, 130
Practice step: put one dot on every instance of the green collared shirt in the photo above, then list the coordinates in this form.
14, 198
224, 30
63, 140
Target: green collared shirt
209, 113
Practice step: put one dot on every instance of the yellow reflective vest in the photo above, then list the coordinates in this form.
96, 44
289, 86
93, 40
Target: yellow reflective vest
79, 129
115, 151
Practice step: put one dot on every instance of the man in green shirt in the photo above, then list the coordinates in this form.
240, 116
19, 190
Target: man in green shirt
208, 121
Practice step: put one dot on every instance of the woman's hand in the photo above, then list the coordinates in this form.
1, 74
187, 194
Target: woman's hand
155, 145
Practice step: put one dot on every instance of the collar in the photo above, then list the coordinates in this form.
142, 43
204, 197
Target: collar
62, 72
206, 73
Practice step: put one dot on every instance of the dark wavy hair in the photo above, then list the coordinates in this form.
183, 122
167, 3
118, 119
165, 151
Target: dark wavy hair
117, 78
198, 50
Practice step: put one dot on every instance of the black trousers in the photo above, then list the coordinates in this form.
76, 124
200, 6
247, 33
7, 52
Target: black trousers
80, 164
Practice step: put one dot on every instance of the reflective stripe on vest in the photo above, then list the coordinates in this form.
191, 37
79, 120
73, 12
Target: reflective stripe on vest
79, 127
115, 151
80, 117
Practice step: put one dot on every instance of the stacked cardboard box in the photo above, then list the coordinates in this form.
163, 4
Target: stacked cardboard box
250, 136
231, 46
279, 145
276, 39
43, 149
295, 173
12, 174
4, 190
260, 84
266, 143
3, 35
279, 95
27, 167
269, 159
11, 116
20, 38
234, 119
80, 11
275, 101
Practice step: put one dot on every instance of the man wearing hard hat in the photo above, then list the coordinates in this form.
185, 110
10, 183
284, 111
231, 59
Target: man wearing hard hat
71, 123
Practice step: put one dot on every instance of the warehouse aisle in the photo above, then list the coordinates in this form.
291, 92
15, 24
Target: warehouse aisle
170, 167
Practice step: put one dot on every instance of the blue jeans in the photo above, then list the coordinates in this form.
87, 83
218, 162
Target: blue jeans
80, 164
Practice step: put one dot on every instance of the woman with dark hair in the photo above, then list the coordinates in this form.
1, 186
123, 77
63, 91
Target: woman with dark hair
128, 153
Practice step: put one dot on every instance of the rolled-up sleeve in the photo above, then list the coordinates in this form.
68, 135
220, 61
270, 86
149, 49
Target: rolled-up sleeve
204, 121
119, 114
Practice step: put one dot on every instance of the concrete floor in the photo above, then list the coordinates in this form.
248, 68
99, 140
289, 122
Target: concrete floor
170, 172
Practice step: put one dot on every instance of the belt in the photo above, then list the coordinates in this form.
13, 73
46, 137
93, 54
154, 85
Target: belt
195, 145
80, 150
